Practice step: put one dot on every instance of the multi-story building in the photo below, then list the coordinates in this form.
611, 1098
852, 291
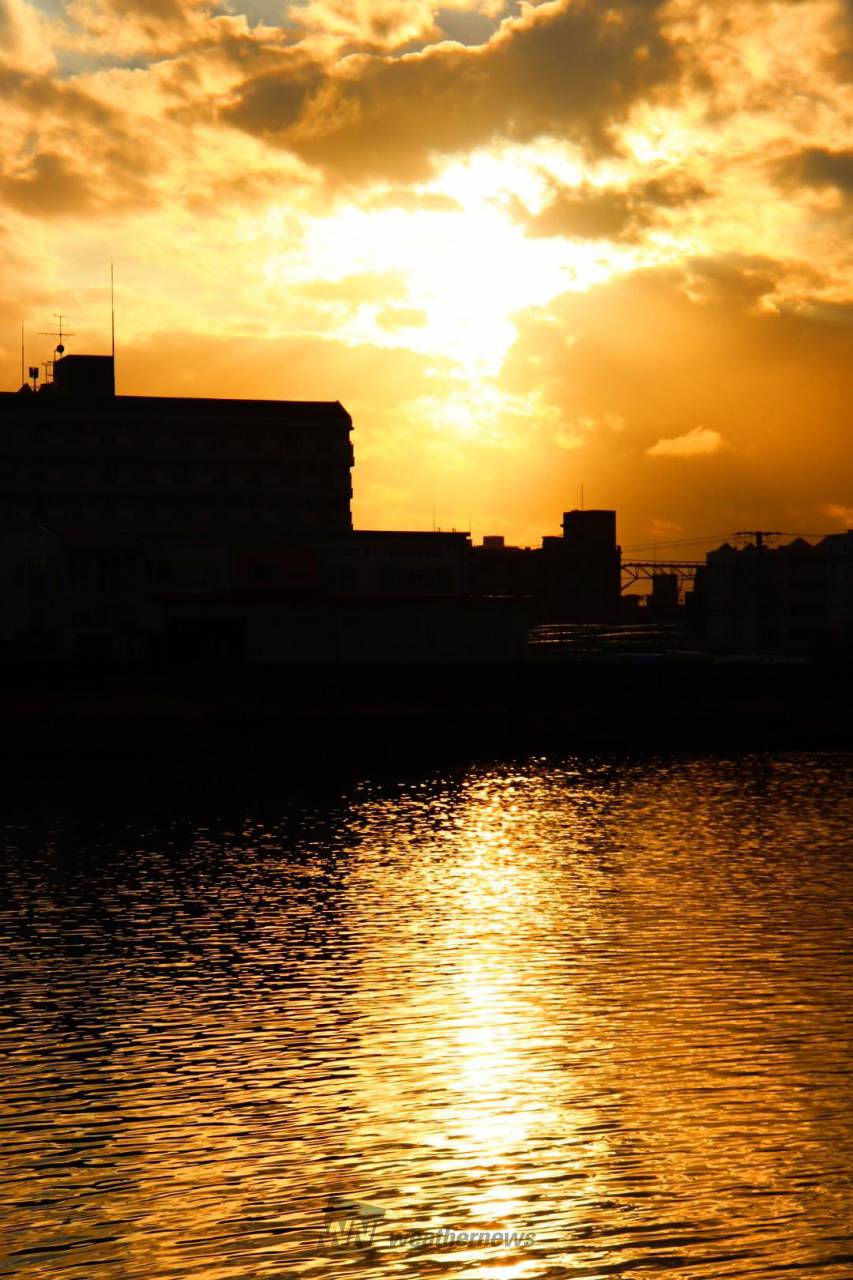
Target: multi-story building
135, 528
74, 457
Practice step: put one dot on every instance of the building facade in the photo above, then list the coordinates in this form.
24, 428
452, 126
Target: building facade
201, 532
76, 458
795, 599
573, 578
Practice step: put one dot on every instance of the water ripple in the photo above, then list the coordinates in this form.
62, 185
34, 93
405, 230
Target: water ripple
599, 1010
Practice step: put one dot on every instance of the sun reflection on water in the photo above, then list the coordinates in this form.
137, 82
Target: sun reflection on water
606, 1007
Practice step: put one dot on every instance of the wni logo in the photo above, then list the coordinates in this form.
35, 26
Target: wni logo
350, 1224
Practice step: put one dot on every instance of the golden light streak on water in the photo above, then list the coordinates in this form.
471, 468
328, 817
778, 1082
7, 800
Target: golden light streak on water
604, 1005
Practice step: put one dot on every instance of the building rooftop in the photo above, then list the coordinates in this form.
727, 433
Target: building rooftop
87, 382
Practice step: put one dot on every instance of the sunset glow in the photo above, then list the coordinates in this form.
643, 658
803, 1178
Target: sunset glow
492, 231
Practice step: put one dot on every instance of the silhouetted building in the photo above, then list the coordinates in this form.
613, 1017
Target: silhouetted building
89, 377
203, 532
587, 568
75, 457
662, 605
573, 578
402, 563
794, 599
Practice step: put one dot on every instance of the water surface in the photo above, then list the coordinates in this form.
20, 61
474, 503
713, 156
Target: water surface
606, 1005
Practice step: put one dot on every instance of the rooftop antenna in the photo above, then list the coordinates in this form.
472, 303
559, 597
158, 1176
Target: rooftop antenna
60, 333
23, 363
581, 495
113, 308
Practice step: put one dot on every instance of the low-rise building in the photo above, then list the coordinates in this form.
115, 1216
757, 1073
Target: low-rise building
794, 599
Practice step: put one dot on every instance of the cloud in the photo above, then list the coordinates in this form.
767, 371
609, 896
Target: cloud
840, 512
565, 69
774, 383
820, 167
49, 188
358, 289
397, 24
383, 23
693, 444
327, 176
130, 26
733, 279
572, 435
67, 151
566, 438
410, 201
589, 212
24, 41
193, 38
393, 318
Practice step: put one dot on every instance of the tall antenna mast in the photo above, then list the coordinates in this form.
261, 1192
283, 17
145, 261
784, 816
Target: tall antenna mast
113, 308
23, 362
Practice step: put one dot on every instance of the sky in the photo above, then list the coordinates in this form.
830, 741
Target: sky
534, 248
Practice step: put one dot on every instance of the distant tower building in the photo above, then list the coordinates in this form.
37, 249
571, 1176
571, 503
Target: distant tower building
593, 531
584, 568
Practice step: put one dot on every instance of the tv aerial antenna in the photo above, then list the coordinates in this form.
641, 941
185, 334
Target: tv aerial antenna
61, 333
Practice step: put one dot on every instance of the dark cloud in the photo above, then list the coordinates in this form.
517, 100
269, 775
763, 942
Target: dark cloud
735, 280
150, 10
567, 70
610, 213
50, 188
820, 167
271, 103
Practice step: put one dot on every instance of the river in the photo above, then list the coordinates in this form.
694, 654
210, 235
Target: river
539, 1018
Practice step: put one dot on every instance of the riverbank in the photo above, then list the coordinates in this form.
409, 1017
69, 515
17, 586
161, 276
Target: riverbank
316, 712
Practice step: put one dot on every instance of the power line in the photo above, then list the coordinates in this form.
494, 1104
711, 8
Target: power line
712, 537
677, 542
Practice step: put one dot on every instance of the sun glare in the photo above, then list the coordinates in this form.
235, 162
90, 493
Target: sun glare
468, 268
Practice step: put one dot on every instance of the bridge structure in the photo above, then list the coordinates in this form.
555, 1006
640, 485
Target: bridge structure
634, 571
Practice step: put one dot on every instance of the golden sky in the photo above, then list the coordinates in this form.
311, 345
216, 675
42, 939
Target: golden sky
528, 246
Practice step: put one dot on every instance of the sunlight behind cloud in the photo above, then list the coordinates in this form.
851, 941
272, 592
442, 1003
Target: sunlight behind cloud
479, 238
468, 269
